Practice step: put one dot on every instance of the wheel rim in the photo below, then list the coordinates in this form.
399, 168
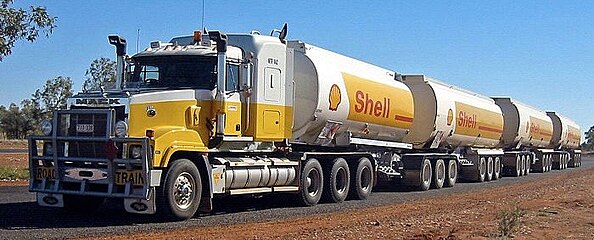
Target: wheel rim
452, 171
441, 171
365, 178
183, 193
313, 182
523, 165
518, 164
483, 167
341, 180
426, 174
497, 166
528, 164
490, 166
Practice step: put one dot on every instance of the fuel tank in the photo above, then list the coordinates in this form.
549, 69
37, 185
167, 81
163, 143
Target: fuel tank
450, 116
524, 126
335, 94
566, 133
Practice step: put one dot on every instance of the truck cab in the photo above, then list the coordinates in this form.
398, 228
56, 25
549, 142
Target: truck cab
155, 132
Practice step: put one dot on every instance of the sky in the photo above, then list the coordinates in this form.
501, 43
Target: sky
539, 52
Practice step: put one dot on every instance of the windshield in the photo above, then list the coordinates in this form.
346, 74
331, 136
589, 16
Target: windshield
196, 72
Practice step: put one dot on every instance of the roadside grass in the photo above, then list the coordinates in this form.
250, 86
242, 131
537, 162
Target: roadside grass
13, 173
509, 222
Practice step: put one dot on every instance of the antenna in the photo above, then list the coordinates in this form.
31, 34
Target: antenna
137, 38
203, 13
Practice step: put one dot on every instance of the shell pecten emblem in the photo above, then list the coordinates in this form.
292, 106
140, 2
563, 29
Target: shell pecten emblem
450, 117
334, 97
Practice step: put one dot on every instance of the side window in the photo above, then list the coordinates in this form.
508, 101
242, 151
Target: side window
232, 77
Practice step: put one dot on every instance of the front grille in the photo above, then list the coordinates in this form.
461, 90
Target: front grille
84, 123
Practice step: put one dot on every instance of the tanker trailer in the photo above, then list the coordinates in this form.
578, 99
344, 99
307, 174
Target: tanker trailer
527, 133
457, 124
566, 142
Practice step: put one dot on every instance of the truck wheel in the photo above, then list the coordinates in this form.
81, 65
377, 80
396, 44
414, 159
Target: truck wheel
179, 197
362, 180
489, 173
546, 162
421, 178
74, 203
565, 161
481, 169
540, 165
523, 166
337, 183
519, 164
439, 174
452, 173
528, 165
311, 183
496, 168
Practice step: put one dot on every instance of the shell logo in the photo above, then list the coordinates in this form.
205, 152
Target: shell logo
450, 117
334, 98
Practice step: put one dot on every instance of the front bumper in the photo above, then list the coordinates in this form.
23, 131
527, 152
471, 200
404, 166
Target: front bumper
121, 177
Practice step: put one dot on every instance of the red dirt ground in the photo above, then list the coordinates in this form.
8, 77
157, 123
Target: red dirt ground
560, 207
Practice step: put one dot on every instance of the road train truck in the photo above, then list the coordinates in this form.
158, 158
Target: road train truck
212, 115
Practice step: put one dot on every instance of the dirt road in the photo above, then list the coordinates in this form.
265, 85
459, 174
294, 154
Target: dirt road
559, 204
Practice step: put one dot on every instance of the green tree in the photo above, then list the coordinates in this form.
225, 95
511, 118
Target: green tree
33, 114
102, 72
12, 122
53, 95
588, 145
20, 24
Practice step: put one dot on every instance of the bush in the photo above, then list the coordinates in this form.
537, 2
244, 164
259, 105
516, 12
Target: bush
509, 221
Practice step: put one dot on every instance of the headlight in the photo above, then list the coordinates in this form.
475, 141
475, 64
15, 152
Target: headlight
135, 152
121, 129
46, 127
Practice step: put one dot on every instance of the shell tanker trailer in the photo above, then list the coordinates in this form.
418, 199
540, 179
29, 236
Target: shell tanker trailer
214, 115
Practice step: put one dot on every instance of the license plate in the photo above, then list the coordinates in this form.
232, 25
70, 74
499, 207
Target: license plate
45, 172
85, 128
134, 176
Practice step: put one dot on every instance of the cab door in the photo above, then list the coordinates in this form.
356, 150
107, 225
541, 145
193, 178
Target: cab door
233, 102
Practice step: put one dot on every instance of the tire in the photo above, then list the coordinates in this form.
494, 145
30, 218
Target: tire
496, 168
452, 173
489, 173
77, 203
482, 169
566, 161
522, 165
541, 164
311, 183
338, 181
528, 165
362, 180
439, 174
518, 171
548, 162
179, 196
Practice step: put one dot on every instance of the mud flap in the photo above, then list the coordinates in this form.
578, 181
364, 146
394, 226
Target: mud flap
49, 199
142, 206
